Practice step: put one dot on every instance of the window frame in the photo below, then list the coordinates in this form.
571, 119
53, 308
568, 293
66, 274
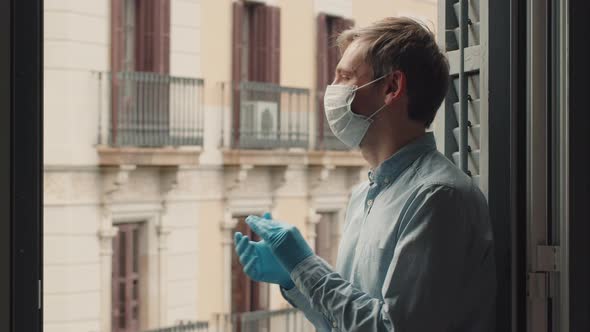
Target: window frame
22, 39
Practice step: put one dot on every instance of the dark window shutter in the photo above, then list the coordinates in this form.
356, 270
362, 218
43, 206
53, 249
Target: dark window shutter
152, 36
162, 37
117, 35
275, 45
258, 43
143, 35
264, 44
237, 49
117, 49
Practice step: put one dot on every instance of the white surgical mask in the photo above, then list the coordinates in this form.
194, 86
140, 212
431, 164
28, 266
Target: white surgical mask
347, 126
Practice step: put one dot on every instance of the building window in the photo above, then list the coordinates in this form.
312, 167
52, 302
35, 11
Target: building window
126, 279
256, 57
140, 63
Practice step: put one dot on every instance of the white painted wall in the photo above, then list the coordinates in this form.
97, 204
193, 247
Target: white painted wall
76, 43
71, 251
182, 261
342, 8
185, 38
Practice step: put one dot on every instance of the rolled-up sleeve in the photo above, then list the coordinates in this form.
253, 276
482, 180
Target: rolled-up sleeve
423, 279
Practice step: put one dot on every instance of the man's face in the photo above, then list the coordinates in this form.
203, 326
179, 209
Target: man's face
353, 70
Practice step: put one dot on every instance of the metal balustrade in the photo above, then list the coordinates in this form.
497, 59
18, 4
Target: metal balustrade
150, 110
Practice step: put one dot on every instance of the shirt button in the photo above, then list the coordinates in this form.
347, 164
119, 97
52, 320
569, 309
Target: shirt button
386, 180
334, 324
370, 202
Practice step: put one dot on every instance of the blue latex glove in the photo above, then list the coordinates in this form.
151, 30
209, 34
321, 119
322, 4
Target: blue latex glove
259, 262
285, 241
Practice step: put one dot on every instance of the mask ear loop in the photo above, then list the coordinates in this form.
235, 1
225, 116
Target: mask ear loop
375, 113
382, 107
373, 81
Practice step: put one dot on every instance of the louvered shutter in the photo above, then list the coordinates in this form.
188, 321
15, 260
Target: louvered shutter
476, 118
275, 45
117, 49
152, 41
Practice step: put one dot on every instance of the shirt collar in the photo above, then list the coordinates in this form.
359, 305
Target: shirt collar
390, 169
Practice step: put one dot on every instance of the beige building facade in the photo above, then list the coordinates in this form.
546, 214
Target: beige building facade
159, 143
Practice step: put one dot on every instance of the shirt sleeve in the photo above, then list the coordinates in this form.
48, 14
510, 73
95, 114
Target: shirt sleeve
299, 301
422, 281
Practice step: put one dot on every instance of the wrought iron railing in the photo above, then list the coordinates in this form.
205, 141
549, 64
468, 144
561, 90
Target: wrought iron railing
184, 327
269, 116
150, 109
284, 320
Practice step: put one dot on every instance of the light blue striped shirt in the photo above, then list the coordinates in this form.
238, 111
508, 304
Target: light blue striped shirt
416, 253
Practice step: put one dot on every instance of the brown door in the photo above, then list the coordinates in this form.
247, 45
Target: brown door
126, 279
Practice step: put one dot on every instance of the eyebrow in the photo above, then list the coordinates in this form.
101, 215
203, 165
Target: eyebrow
347, 71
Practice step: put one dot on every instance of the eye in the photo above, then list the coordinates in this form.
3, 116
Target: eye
344, 76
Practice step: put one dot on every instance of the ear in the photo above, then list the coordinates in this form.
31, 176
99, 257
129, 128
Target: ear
395, 86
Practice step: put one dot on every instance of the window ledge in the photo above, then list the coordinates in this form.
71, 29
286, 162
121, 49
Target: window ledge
292, 157
164, 156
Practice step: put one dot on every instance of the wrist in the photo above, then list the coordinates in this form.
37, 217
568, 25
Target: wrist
288, 284
290, 259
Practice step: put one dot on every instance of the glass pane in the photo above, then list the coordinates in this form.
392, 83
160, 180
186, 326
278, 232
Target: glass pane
136, 250
122, 254
135, 289
135, 312
122, 318
122, 295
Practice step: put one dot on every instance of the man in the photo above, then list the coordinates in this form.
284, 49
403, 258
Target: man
416, 252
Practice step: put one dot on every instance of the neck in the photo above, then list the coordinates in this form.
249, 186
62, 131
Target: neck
381, 146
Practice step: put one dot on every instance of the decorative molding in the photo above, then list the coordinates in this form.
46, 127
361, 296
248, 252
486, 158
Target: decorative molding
319, 175
71, 168
229, 222
311, 222
235, 176
106, 235
288, 181
114, 179
109, 156
163, 232
169, 179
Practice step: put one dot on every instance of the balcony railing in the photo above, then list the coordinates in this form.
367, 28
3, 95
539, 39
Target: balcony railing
285, 320
184, 327
269, 116
150, 110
